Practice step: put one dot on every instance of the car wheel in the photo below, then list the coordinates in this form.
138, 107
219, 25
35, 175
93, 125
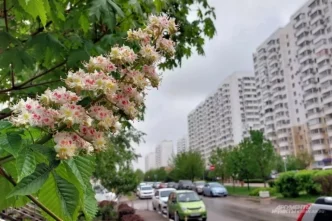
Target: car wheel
204, 219
160, 210
154, 208
225, 195
168, 214
211, 194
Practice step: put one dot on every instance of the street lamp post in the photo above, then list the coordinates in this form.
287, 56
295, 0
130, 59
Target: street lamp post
284, 158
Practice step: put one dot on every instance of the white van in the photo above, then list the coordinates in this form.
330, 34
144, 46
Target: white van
327, 168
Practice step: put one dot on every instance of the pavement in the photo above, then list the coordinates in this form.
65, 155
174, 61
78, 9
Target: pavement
230, 209
250, 184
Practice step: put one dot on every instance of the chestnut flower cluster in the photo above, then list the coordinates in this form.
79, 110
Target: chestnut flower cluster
114, 83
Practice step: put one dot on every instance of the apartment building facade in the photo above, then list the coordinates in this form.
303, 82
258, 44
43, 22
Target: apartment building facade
294, 79
150, 161
225, 117
182, 145
164, 152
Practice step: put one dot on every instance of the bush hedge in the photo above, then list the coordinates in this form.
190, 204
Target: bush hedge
323, 179
306, 182
287, 184
255, 192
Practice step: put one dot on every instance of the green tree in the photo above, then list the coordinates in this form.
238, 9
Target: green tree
217, 159
40, 41
305, 159
263, 152
188, 165
158, 174
139, 174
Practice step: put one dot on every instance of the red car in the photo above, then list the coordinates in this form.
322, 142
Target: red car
162, 185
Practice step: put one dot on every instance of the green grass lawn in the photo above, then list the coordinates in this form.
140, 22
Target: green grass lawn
239, 191
302, 198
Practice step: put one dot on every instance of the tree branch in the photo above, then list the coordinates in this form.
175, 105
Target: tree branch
5, 115
41, 29
5, 14
33, 199
13, 76
40, 84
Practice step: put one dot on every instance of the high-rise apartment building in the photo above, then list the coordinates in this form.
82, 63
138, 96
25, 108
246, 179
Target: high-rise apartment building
294, 79
225, 117
182, 145
150, 161
164, 152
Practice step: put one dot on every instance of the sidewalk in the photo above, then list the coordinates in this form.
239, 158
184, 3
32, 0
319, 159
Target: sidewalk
244, 185
150, 215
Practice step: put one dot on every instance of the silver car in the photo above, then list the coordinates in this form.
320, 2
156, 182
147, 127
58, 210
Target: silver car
321, 210
199, 186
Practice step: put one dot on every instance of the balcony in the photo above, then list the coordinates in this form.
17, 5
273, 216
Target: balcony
316, 18
304, 58
328, 121
309, 86
273, 62
324, 67
269, 114
326, 89
282, 134
327, 110
311, 105
283, 144
325, 78
298, 23
318, 28
274, 69
316, 39
315, 126
269, 130
319, 157
271, 47
307, 76
317, 136
322, 58
272, 54
306, 67
285, 153
314, 116
316, 147
303, 39
276, 77
309, 96
304, 48
328, 99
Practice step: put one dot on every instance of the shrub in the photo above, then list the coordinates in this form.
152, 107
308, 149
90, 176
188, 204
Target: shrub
106, 211
254, 181
132, 217
255, 192
124, 209
271, 183
324, 181
305, 179
287, 184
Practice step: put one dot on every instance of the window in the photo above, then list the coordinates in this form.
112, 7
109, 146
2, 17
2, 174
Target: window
292, 76
294, 93
295, 101
288, 52
287, 44
157, 193
329, 29
293, 85
297, 111
287, 36
323, 215
298, 120
291, 68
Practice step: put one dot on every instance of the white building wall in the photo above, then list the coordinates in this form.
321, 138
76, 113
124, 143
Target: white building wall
150, 161
222, 120
182, 145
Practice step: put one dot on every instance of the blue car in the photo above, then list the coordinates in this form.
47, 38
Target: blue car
214, 189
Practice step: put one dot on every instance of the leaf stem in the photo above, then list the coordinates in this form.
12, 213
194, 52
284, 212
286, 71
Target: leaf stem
33, 199
5, 14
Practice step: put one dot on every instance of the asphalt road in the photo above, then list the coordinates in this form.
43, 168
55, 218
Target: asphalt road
217, 209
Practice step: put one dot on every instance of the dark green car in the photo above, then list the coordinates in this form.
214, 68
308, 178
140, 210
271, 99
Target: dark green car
186, 205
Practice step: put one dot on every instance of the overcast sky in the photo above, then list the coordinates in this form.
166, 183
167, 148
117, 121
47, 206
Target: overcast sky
242, 25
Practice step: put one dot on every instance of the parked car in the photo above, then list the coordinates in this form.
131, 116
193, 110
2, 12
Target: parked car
170, 184
162, 185
145, 192
199, 186
185, 205
155, 185
160, 198
176, 185
214, 189
185, 185
103, 194
321, 210
149, 183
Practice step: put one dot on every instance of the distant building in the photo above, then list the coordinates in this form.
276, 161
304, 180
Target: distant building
182, 145
150, 161
164, 152
225, 117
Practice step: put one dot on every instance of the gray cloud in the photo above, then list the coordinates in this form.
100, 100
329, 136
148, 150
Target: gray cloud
242, 25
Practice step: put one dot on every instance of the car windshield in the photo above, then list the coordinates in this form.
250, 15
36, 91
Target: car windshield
165, 193
146, 188
215, 185
188, 197
186, 182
